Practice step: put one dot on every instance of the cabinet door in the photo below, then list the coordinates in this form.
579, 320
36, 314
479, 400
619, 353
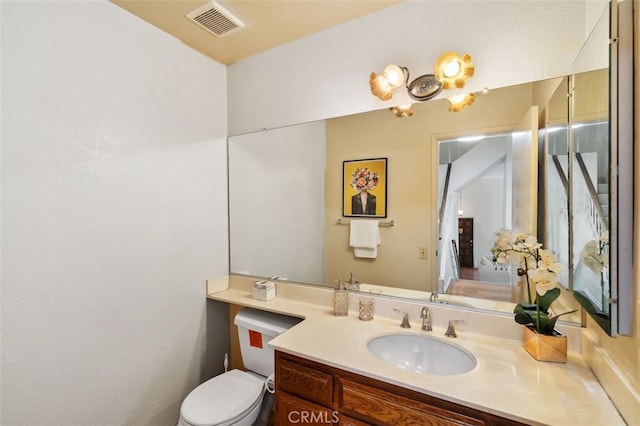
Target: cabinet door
291, 410
304, 382
378, 407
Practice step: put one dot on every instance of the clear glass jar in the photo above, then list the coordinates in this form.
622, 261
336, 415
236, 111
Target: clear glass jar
365, 308
341, 302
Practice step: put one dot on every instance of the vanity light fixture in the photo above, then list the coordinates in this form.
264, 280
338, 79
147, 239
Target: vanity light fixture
454, 70
459, 102
421, 88
402, 110
451, 72
383, 85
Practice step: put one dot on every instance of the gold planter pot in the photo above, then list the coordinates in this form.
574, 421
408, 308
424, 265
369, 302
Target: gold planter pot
543, 347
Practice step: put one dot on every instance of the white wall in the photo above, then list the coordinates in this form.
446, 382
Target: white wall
113, 216
326, 74
488, 216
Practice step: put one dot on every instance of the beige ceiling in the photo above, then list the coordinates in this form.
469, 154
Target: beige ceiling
268, 23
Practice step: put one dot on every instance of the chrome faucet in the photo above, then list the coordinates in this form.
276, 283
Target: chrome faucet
353, 284
434, 296
451, 330
405, 318
425, 314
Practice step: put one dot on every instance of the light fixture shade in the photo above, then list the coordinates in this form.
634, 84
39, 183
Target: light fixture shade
453, 70
402, 110
380, 87
460, 102
383, 85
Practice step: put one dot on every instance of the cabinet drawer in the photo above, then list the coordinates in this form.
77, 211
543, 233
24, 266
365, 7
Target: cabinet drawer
291, 410
305, 382
348, 421
379, 407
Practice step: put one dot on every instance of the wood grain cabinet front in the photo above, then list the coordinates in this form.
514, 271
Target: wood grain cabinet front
310, 393
383, 408
291, 410
305, 382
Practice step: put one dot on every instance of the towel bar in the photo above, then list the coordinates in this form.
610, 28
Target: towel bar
346, 222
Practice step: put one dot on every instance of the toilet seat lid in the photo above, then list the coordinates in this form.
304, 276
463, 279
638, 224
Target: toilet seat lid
222, 398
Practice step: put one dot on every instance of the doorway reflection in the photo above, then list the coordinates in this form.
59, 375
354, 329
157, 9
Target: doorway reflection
472, 171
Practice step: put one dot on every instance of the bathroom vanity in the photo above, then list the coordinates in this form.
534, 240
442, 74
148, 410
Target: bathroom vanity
324, 366
317, 391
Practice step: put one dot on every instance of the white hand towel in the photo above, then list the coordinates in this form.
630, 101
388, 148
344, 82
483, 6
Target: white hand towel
364, 237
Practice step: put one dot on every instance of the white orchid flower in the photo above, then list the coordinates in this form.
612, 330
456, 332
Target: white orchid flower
544, 280
548, 261
590, 249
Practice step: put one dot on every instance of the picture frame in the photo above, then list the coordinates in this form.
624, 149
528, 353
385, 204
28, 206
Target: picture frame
364, 188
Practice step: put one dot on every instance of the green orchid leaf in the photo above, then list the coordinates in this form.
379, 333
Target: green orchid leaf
521, 317
547, 326
541, 321
547, 299
553, 320
528, 306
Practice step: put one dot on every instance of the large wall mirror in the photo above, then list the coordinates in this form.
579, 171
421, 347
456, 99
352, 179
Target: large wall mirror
286, 191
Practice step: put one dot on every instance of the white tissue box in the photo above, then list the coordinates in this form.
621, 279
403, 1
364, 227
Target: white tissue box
263, 290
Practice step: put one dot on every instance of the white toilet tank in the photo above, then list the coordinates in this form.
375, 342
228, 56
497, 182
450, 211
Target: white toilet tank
255, 329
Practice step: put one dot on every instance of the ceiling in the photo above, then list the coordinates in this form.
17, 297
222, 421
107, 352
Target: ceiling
267, 23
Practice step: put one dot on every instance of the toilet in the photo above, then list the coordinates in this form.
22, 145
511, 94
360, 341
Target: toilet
235, 397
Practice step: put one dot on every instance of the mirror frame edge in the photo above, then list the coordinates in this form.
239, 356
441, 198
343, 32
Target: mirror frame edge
622, 162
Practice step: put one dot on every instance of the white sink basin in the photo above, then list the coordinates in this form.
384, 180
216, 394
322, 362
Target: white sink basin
422, 354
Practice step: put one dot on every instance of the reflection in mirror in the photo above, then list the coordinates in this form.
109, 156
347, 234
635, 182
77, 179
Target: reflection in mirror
276, 203
553, 228
475, 193
489, 182
590, 191
285, 192
411, 146
271, 235
601, 172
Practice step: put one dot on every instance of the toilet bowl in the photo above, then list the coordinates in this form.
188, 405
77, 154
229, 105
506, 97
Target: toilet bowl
232, 398
235, 397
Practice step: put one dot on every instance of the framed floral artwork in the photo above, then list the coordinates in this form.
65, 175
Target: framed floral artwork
364, 188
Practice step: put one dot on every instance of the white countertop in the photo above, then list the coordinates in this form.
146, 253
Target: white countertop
507, 381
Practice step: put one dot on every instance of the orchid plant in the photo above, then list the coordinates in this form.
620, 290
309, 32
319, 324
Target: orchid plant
540, 268
595, 254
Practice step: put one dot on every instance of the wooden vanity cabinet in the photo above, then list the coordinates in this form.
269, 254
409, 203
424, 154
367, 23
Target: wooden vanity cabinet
311, 393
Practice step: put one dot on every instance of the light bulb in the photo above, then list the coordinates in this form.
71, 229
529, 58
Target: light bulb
394, 75
451, 69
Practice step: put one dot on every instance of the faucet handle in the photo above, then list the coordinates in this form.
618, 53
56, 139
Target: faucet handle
451, 330
425, 314
405, 318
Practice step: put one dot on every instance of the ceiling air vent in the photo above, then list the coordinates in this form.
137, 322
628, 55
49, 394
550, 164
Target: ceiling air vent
215, 19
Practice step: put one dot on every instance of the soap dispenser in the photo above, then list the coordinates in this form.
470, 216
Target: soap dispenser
341, 300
